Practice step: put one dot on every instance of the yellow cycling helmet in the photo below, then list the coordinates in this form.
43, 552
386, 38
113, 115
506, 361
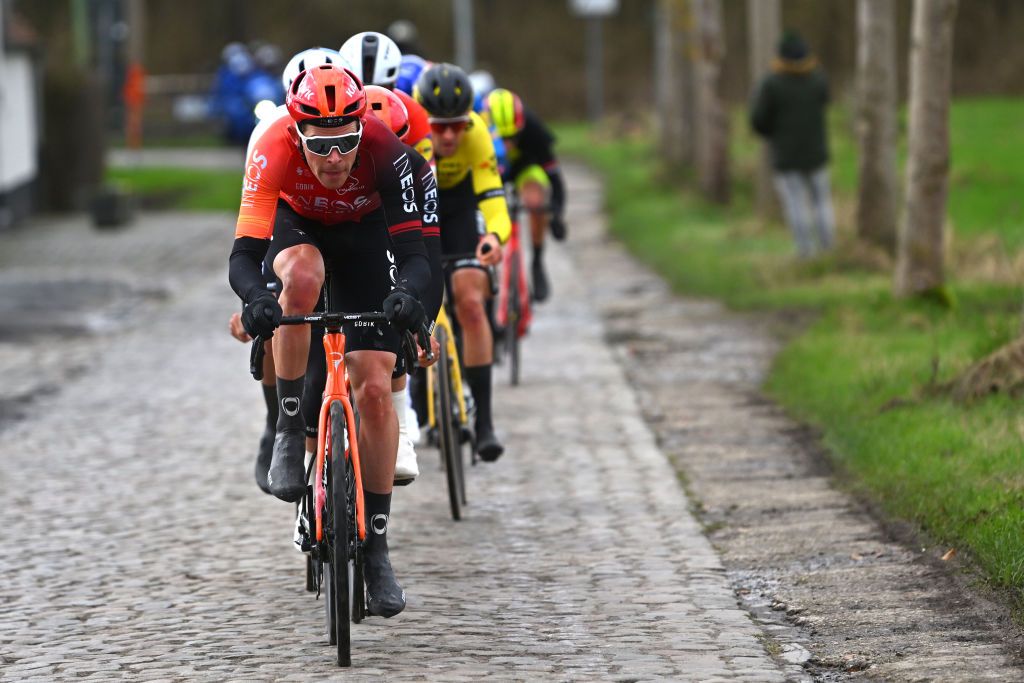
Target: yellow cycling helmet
505, 110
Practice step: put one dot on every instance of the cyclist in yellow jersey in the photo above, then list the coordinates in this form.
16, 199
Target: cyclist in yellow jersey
468, 180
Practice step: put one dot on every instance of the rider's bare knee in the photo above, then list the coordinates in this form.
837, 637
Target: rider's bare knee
301, 288
470, 311
374, 400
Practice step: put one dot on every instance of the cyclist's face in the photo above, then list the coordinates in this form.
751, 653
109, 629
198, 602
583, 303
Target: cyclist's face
446, 141
332, 170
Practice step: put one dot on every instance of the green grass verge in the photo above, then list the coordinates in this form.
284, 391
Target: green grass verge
186, 189
868, 371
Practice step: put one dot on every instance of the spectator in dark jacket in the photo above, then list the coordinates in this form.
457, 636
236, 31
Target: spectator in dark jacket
789, 112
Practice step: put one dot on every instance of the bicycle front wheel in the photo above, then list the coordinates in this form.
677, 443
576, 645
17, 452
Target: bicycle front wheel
512, 322
342, 533
447, 427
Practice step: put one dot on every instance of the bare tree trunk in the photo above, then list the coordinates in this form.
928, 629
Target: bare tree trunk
674, 81
764, 26
712, 119
876, 122
919, 264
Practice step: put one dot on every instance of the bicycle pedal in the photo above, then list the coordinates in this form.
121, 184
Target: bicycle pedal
403, 482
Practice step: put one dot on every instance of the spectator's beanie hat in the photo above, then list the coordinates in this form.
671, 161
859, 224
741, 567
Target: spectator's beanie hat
794, 56
792, 47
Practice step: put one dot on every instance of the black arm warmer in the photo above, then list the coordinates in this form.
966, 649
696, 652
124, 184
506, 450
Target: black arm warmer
414, 266
245, 266
557, 191
435, 293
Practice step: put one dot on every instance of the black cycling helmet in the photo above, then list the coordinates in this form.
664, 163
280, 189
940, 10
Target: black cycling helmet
444, 91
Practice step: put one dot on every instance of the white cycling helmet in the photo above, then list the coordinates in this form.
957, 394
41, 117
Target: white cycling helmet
373, 57
483, 82
314, 56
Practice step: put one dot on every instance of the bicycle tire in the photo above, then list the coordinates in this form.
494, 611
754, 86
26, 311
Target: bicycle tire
446, 426
512, 322
341, 533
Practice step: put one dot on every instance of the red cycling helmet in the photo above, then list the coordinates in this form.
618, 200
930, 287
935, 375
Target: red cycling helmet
387, 107
328, 95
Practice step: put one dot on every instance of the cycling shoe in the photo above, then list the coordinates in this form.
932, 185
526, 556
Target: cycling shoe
263, 458
385, 597
287, 476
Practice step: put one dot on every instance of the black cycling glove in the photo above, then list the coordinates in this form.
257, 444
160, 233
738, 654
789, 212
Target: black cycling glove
261, 315
404, 310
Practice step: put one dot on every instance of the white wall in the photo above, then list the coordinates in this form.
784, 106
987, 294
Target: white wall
19, 136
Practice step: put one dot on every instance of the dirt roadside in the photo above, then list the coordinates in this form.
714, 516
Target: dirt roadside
836, 590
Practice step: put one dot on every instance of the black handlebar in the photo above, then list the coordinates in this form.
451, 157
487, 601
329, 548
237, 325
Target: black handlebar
334, 321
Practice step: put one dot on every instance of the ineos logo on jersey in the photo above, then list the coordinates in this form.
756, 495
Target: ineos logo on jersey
379, 524
324, 204
429, 183
290, 405
254, 171
404, 167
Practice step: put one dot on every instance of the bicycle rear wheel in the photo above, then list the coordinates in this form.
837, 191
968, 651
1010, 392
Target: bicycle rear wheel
342, 534
447, 428
512, 321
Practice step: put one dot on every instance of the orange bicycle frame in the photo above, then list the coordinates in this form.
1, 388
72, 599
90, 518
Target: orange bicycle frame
336, 389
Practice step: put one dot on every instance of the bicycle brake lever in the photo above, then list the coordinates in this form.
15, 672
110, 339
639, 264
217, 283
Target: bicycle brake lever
256, 358
424, 339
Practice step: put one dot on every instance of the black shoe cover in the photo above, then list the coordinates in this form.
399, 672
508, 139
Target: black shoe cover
287, 476
541, 291
263, 457
385, 597
488, 446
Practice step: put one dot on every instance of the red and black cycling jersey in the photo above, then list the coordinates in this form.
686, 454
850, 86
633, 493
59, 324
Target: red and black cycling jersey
535, 144
383, 176
426, 195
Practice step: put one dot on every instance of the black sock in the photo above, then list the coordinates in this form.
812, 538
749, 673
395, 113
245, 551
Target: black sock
378, 513
479, 380
538, 252
270, 398
290, 393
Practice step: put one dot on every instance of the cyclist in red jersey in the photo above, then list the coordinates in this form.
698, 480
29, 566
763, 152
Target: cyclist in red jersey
383, 104
336, 190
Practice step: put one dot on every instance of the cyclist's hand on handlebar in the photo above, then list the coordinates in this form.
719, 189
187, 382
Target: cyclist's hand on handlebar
236, 329
488, 251
435, 350
403, 310
261, 315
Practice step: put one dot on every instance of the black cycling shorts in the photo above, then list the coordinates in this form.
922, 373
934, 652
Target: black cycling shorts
461, 229
361, 264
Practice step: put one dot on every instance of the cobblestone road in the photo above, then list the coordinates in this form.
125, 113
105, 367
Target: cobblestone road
135, 545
